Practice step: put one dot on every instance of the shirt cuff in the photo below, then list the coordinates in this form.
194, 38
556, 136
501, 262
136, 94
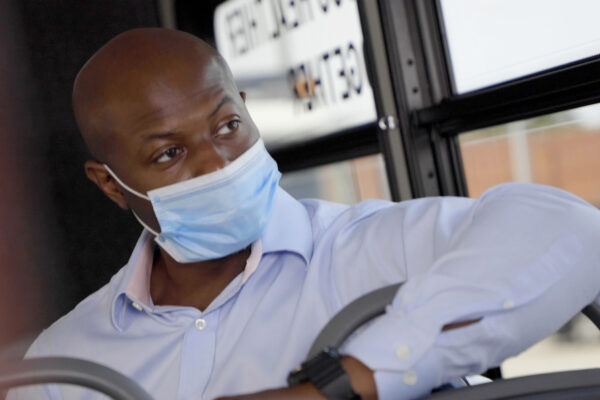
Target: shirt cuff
400, 351
410, 384
392, 343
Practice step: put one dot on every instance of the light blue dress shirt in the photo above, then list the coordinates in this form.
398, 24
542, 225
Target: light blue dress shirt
524, 258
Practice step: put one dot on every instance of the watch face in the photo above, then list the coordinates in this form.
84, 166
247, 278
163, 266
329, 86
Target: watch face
332, 352
297, 376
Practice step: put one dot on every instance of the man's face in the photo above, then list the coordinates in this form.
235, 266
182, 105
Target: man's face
181, 125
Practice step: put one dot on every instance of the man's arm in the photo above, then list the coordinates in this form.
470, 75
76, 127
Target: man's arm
361, 377
41, 392
498, 272
523, 260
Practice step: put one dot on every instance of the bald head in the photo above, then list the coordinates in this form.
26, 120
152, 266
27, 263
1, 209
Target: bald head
132, 69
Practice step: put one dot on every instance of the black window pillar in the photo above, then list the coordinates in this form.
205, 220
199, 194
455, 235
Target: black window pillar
407, 62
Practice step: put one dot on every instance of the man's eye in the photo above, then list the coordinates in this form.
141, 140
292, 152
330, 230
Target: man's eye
169, 154
229, 127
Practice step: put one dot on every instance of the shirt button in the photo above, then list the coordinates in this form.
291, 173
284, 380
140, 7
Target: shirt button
410, 378
402, 352
136, 305
508, 304
200, 324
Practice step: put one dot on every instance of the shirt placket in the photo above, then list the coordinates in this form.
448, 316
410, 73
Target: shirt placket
198, 355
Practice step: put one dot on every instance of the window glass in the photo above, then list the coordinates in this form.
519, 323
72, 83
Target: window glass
560, 150
494, 41
346, 182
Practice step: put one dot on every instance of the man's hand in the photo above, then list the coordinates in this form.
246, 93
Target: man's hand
361, 379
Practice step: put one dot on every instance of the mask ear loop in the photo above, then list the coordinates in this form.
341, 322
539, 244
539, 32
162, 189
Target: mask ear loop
134, 192
152, 231
130, 190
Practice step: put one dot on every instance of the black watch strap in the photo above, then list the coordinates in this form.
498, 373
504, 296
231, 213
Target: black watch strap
326, 373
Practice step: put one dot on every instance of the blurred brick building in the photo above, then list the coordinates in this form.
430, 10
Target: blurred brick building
565, 157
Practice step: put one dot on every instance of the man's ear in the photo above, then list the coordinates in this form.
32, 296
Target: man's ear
243, 95
96, 173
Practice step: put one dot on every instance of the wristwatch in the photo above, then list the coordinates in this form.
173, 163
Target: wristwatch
325, 371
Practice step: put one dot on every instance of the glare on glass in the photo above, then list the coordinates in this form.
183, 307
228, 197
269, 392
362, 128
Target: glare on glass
345, 182
493, 41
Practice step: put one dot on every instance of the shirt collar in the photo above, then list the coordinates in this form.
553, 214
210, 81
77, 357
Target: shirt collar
288, 229
142, 253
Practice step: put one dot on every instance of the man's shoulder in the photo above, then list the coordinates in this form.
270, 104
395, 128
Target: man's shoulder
325, 215
90, 316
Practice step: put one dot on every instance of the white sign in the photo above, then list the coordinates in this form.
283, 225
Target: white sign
300, 62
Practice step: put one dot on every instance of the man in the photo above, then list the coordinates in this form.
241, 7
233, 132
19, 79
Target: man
232, 279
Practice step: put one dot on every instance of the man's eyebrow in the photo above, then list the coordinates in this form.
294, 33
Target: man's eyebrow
161, 135
157, 135
225, 99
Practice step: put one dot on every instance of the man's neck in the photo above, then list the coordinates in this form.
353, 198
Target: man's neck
194, 284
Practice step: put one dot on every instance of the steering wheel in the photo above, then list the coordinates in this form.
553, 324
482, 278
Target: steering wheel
35, 371
580, 385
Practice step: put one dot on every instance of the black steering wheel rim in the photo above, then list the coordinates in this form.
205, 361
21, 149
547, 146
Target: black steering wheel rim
74, 371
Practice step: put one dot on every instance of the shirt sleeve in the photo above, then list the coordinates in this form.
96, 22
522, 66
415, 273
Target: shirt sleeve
523, 258
42, 392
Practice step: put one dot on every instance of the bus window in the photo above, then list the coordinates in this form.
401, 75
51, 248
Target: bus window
494, 41
560, 150
346, 182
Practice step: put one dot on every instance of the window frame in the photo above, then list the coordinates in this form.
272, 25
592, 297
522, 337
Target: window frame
432, 116
419, 117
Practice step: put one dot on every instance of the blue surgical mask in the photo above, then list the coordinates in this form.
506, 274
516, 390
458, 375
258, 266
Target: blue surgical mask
217, 214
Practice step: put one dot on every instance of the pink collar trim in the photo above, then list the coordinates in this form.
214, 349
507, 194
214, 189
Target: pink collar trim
139, 285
